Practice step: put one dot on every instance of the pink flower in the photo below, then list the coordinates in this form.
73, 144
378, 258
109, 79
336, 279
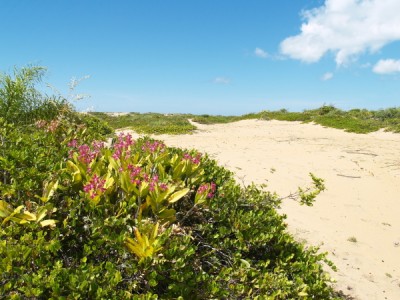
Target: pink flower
86, 155
194, 159
73, 143
153, 146
163, 187
209, 188
122, 146
95, 186
134, 171
153, 182
98, 145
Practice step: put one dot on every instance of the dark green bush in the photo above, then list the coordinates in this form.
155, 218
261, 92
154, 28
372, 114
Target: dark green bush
232, 244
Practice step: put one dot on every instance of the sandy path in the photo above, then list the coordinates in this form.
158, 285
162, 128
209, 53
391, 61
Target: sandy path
362, 201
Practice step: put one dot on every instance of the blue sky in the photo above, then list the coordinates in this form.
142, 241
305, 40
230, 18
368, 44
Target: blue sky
210, 56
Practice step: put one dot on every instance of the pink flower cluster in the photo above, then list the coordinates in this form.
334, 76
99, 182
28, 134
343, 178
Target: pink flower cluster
73, 143
194, 159
209, 188
86, 153
137, 177
95, 186
154, 146
123, 143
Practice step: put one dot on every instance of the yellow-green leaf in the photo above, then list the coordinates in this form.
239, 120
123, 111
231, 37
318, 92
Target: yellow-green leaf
109, 182
246, 263
167, 215
11, 216
144, 188
50, 223
5, 209
28, 216
178, 195
154, 232
41, 213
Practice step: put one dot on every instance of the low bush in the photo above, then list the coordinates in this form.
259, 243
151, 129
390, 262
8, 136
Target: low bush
150, 123
141, 220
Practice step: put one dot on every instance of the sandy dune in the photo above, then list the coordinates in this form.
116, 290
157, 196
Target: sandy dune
356, 220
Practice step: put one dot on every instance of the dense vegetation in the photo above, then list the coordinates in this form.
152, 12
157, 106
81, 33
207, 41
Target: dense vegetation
355, 120
136, 219
149, 123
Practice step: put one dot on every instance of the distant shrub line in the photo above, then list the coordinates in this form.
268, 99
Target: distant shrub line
355, 120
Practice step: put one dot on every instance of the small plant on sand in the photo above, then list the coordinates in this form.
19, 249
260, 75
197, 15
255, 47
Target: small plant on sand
352, 239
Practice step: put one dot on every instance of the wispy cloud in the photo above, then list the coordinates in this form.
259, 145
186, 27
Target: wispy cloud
347, 28
327, 76
260, 53
221, 80
387, 66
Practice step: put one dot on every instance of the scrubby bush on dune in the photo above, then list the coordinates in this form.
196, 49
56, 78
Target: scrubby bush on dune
34, 132
139, 220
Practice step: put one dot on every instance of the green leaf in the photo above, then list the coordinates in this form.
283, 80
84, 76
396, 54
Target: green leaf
154, 232
167, 215
75, 171
11, 216
144, 189
49, 190
26, 253
113, 164
4, 209
125, 182
178, 170
109, 182
41, 213
178, 195
246, 263
26, 215
50, 223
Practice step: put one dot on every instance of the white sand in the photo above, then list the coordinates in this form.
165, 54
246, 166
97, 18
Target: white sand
362, 200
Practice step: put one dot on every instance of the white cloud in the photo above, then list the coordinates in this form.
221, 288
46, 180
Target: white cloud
327, 76
387, 66
221, 80
345, 27
261, 53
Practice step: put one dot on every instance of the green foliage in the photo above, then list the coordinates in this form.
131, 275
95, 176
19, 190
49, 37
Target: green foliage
21, 103
132, 213
138, 220
307, 197
208, 119
150, 123
349, 124
355, 120
285, 116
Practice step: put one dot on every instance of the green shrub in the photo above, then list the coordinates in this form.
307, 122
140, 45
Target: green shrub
150, 123
136, 220
348, 123
142, 219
